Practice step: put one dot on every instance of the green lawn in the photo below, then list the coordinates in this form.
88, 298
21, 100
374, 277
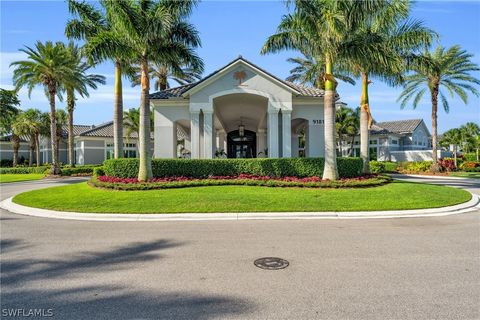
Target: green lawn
4, 178
397, 195
475, 175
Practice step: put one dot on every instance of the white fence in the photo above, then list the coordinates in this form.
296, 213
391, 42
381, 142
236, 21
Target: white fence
414, 155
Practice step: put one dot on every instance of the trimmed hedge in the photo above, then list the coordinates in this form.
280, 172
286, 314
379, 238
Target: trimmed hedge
195, 168
24, 170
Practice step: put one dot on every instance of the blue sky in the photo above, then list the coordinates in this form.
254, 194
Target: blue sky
230, 28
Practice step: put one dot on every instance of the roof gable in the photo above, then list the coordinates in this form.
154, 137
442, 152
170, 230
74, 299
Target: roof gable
400, 126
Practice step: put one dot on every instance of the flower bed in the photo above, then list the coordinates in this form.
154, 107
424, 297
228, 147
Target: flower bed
242, 179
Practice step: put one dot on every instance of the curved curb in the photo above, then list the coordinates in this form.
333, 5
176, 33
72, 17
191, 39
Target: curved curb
468, 206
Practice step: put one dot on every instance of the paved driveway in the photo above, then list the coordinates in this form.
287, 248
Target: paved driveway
357, 269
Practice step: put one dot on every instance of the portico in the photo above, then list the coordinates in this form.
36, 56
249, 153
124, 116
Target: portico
239, 111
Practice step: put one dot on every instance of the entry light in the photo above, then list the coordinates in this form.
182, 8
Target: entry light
241, 130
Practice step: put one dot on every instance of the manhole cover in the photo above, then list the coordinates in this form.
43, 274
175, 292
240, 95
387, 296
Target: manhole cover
271, 263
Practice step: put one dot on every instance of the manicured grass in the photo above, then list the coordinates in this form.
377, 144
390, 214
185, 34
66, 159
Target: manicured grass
396, 195
4, 178
475, 175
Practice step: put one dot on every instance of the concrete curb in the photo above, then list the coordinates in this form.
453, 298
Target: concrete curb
424, 176
468, 206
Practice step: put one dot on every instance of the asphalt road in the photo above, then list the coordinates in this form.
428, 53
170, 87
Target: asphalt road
410, 268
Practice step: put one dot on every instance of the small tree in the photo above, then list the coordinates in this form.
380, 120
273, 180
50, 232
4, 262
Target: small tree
452, 137
9, 111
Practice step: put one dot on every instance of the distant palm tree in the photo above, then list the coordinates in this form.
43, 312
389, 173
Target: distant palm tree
378, 46
452, 137
433, 71
162, 72
153, 32
9, 111
96, 27
470, 132
29, 124
61, 118
78, 84
312, 72
131, 122
347, 124
48, 65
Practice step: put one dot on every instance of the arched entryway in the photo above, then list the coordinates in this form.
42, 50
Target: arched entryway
241, 144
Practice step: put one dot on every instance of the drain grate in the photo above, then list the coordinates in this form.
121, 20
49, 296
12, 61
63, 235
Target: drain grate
271, 263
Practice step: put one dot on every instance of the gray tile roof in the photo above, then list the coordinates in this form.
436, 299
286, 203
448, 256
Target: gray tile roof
400, 126
105, 130
77, 129
179, 91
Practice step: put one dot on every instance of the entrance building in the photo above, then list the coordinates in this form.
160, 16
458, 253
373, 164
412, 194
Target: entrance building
238, 111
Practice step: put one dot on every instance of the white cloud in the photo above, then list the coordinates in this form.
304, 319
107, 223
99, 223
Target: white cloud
6, 58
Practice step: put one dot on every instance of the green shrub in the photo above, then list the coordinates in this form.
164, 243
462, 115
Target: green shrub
415, 167
390, 166
470, 156
24, 170
79, 170
470, 166
377, 167
277, 167
5, 163
98, 171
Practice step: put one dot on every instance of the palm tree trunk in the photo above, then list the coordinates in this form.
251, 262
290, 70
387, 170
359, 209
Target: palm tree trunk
330, 171
163, 83
15, 146
37, 149
53, 133
70, 108
31, 149
434, 92
455, 155
145, 167
351, 146
478, 154
118, 113
364, 134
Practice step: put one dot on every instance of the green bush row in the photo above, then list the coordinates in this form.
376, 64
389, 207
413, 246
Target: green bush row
383, 167
371, 182
24, 170
80, 170
195, 168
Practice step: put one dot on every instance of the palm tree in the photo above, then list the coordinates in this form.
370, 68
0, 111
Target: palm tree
347, 124
131, 121
154, 31
48, 65
61, 118
452, 137
378, 46
162, 72
447, 69
317, 29
8, 108
470, 132
78, 84
312, 72
94, 25
28, 124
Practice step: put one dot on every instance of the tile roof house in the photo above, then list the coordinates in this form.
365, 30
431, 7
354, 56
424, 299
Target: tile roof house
389, 137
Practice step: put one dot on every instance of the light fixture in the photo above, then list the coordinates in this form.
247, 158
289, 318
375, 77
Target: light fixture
241, 129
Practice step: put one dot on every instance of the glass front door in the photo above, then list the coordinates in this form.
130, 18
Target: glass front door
241, 146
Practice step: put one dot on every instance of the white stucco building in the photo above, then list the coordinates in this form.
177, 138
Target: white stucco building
238, 111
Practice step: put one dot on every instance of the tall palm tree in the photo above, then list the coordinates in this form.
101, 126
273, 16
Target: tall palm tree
8, 108
378, 46
317, 29
448, 69
154, 31
309, 71
162, 72
452, 137
94, 25
29, 124
78, 84
61, 121
47, 65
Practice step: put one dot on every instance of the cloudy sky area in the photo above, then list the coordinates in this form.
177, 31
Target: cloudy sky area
230, 28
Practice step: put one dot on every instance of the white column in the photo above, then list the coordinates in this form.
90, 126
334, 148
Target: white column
165, 137
273, 133
222, 139
195, 134
261, 143
295, 146
208, 134
287, 133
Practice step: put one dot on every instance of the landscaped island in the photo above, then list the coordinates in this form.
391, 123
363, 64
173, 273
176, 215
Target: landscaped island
248, 185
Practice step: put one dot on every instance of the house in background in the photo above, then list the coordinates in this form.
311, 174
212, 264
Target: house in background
93, 145
401, 140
